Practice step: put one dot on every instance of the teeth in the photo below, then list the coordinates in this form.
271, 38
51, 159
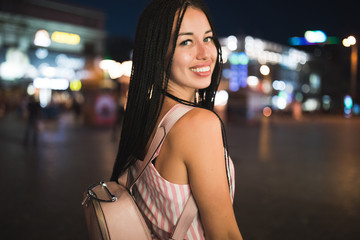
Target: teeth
202, 69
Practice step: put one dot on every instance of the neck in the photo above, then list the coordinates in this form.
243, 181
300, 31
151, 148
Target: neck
179, 99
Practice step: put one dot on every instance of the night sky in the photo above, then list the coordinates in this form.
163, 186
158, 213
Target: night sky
275, 21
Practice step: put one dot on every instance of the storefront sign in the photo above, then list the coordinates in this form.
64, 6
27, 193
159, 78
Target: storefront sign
66, 38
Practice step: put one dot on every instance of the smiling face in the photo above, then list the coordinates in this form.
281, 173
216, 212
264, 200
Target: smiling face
194, 57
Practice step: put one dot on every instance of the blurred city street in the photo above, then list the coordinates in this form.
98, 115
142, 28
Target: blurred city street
289, 82
294, 179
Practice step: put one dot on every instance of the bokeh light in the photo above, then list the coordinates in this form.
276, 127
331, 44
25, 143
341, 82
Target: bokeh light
267, 111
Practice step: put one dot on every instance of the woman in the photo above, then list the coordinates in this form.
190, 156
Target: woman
177, 59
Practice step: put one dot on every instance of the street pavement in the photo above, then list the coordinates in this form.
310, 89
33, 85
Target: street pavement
294, 179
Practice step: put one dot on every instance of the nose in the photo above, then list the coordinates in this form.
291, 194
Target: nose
203, 51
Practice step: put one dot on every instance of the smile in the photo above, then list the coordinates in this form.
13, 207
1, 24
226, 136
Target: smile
201, 69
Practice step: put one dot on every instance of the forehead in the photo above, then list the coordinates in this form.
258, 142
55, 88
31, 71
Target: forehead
194, 19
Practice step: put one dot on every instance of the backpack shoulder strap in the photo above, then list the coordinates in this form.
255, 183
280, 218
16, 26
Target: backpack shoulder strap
190, 210
168, 121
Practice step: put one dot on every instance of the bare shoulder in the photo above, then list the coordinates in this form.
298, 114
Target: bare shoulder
199, 120
195, 140
196, 132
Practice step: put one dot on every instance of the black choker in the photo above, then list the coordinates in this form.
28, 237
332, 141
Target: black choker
180, 100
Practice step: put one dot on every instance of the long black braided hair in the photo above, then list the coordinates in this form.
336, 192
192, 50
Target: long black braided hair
150, 75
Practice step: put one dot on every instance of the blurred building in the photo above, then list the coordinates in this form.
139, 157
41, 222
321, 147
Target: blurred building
263, 77
50, 49
333, 63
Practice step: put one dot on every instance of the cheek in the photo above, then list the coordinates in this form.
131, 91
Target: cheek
182, 59
214, 53
179, 62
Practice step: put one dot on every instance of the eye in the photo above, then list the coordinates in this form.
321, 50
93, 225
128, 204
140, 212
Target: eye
208, 39
186, 42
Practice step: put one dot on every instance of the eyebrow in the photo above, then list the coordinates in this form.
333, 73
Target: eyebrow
190, 33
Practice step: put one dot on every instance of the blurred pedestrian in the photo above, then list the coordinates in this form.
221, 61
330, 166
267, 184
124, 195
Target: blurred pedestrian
177, 61
76, 107
2, 104
297, 110
33, 111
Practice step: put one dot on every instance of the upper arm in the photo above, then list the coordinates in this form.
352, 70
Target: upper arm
203, 155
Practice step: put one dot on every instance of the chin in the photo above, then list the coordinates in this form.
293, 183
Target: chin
204, 84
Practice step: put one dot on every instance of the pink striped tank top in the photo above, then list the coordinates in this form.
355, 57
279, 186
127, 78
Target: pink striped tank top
162, 202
